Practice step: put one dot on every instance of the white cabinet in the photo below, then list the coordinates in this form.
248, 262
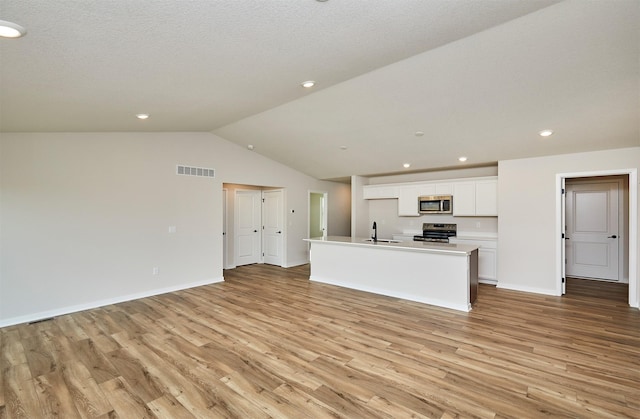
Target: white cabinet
408, 201
487, 265
444, 189
379, 191
487, 257
475, 198
487, 197
464, 199
427, 189
472, 197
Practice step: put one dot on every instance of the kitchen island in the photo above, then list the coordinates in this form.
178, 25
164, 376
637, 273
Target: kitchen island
440, 274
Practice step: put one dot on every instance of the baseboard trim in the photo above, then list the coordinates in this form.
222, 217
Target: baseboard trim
488, 281
28, 318
516, 287
298, 263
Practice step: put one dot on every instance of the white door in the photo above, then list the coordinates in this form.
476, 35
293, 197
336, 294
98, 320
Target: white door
592, 230
247, 227
273, 227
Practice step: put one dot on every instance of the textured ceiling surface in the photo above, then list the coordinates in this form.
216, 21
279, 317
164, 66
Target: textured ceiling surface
480, 78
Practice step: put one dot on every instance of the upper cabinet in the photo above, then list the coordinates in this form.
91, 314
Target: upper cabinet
379, 191
408, 201
475, 198
487, 198
464, 198
408, 196
472, 197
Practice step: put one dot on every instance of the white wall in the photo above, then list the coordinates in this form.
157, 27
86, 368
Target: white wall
527, 214
457, 173
360, 226
85, 216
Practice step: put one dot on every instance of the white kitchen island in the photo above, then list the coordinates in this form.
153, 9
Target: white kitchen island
440, 274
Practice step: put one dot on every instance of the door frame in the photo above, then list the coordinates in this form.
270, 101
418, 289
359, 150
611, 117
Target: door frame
225, 228
325, 217
622, 223
632, 227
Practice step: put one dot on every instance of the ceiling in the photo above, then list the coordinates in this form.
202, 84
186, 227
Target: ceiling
478, 78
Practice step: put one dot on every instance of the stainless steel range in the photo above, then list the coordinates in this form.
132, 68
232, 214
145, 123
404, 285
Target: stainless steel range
438, 233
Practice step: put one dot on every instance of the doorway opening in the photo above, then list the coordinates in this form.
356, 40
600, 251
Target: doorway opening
317, 221
597, 229
254, 220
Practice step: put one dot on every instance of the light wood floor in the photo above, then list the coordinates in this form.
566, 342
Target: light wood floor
268, 343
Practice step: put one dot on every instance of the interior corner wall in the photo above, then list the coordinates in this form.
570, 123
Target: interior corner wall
85, 217
339, 210
527, 258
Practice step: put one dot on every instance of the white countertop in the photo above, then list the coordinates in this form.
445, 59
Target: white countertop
413, 246
476, 236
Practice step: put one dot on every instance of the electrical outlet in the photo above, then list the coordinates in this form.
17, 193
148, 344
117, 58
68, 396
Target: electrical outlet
156, 271
172, 229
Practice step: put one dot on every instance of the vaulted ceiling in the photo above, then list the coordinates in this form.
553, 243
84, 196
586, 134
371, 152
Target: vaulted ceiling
477, 78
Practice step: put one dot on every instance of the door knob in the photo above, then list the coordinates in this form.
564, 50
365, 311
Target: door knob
613, 237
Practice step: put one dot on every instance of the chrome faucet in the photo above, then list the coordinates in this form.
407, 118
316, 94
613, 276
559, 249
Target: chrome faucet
375, 232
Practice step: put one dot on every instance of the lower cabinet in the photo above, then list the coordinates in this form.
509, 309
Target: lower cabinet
487, 257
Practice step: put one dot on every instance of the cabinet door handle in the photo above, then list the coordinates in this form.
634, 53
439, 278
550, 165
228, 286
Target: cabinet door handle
279, 232
255, 231
613, 237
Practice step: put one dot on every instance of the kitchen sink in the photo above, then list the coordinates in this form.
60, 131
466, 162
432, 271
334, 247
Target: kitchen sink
383, 241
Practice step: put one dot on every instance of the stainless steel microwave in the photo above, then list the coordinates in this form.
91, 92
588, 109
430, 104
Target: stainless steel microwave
435, 204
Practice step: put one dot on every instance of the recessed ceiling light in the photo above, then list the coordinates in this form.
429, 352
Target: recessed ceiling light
11, 30
545, 133
308, 84
250, 147
142, 116
419, 133
406, 165
343, 147
463, 159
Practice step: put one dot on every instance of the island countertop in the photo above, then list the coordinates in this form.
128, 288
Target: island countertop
442, 274
414, 246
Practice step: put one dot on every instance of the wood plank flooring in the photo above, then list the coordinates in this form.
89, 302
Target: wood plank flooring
269, 343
